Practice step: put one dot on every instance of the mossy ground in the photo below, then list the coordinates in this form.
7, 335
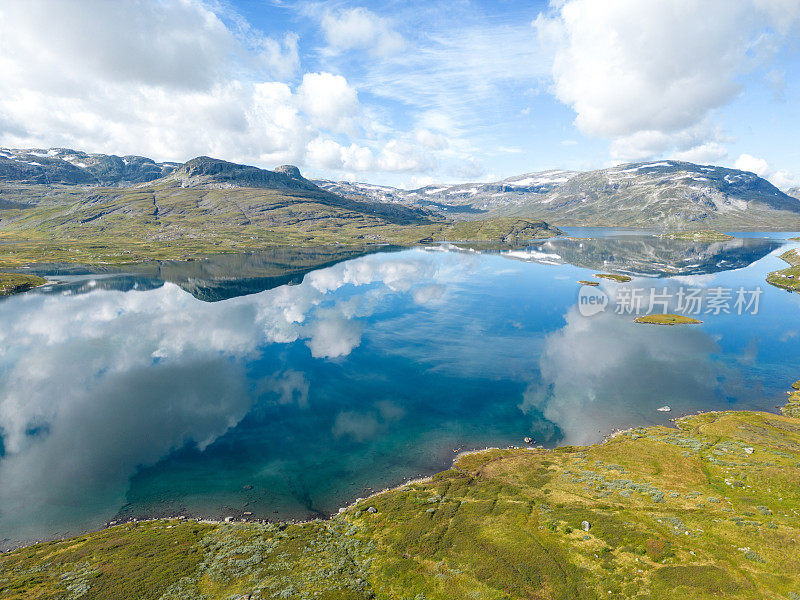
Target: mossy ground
666, 319
613, 277
15, 283
706, 510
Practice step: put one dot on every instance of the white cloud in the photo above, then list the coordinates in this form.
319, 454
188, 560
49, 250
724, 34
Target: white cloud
172, 44
394, 156
759, 166
324, 153
402, 156
170, 80
430, 139
780, 178
140, 77
707, 153
291, 387
698, 141
360, 29
280, 58
71, 370
647, 74
333, 337
329, 101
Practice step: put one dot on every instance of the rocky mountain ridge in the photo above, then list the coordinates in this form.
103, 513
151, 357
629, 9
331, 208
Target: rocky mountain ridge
667, 194
459, 199
72, 167
204, 171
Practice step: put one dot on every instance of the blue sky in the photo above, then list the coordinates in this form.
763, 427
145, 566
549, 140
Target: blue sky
406, 93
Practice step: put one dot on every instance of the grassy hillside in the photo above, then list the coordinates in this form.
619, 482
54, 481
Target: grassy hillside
709, 509
165, 220
14, 283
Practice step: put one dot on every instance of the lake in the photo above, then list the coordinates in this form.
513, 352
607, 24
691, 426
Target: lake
285, 384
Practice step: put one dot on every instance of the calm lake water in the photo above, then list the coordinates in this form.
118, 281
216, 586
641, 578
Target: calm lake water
287, 383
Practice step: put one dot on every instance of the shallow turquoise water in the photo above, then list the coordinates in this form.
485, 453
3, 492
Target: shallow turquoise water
122, 395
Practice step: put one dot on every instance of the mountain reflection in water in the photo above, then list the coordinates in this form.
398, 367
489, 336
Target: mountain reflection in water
649, 255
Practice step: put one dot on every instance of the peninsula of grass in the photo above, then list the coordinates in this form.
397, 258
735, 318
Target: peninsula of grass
666, 319
704, 235
162, 220
706, 509
613, 277
16, 283
789, 278
592, 283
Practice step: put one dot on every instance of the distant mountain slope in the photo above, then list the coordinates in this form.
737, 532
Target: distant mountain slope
794, 192
72, 167
460, 200
664, 194
668, 194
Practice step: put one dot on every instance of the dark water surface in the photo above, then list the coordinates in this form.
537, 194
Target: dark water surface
285, 384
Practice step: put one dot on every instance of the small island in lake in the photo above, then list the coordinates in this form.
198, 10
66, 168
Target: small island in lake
702, 235
613, 277
666, 319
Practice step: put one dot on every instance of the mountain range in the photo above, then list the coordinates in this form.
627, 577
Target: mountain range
215, 205
664, 195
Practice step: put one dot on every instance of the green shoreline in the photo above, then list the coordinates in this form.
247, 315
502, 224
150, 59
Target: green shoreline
17, 283
789, 278
708, 507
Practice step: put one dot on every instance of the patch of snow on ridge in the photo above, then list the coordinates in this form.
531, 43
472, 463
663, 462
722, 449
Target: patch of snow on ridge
436, 190
618, 171
640, 167
538, 181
